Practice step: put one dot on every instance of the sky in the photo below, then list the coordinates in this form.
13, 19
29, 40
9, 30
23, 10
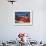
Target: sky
22, 13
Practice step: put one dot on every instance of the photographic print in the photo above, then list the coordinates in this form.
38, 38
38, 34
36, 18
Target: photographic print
23, 18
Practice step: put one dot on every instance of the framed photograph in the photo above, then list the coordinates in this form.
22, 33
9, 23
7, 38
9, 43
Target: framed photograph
23, 17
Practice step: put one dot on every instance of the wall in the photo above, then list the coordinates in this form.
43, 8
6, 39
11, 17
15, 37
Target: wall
9, 31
